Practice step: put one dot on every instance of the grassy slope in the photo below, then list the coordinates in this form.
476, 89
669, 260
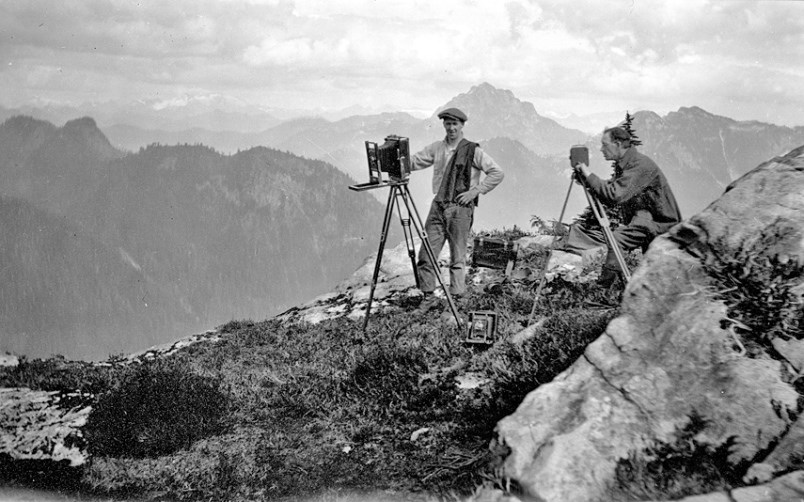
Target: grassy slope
310, 408
296, 411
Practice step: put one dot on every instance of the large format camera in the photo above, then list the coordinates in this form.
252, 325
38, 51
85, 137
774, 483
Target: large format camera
392, 157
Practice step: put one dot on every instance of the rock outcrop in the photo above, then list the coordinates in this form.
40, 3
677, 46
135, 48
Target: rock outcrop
37, 425
674, 357
41, 425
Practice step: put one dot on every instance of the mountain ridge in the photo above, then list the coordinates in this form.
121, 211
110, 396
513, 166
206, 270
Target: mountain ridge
685, 143
213, 237
66, 170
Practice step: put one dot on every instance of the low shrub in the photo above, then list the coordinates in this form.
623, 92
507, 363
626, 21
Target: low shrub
763, 297
156, 408
58, 374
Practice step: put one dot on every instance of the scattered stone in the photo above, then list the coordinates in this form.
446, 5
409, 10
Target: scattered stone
8, 360
166, 349
792, 351
470, 381
787, 488
418, 433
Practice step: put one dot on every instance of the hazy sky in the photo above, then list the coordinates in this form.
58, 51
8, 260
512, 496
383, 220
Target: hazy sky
742, 59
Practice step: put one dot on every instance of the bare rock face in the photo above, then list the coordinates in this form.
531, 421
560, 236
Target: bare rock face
37, 425
674, 354
47, 425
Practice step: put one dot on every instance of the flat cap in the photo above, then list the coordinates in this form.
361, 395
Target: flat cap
453, 113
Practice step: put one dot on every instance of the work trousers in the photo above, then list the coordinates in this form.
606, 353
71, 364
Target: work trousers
450, 222
583, 238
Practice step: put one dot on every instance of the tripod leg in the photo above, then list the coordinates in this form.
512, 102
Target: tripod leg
602, 218
566, 200
609, 234
417, 223
386, 224
408, 235
543, 278
618, 254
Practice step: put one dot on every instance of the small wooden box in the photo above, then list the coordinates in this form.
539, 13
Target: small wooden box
496, 253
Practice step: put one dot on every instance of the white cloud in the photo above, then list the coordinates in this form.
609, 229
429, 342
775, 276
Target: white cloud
414, 54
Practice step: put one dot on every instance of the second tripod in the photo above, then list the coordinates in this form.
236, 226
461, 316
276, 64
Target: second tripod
410, 221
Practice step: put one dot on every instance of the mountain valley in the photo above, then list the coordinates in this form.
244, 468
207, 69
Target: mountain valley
170, 231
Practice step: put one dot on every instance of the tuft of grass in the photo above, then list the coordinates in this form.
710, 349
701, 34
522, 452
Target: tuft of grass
674, 471
763, 298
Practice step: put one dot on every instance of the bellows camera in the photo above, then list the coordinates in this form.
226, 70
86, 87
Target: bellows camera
392, 157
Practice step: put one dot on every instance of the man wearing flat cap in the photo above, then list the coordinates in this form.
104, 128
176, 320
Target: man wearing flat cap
457, 167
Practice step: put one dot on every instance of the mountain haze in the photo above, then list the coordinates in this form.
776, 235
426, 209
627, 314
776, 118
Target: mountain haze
699, 152
496, 112
534, 185
497, 119
211, 113
202, 237
702, 153
167, 240
64, 292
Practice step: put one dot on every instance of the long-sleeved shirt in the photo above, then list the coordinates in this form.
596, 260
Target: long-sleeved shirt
438, 155
642, 192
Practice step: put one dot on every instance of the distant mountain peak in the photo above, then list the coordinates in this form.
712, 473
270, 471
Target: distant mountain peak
486, 96
25, 122
693, 109
85, 131
698, 112
81, 123
487, 89
494, 112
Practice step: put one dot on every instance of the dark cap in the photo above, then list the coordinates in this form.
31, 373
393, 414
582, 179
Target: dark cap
453, 113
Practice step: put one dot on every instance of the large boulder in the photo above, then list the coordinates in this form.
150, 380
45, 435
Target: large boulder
674, 359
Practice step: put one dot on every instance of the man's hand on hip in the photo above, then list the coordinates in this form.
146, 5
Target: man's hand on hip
466, 198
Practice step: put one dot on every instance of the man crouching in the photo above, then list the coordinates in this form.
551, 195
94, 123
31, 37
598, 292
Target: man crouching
648, 205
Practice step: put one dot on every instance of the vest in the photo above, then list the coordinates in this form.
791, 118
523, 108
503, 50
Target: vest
458, 175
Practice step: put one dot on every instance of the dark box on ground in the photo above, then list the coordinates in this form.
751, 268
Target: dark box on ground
492, 252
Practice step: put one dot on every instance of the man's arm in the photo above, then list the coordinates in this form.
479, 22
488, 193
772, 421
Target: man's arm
630, 184
423, 159
494, 175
